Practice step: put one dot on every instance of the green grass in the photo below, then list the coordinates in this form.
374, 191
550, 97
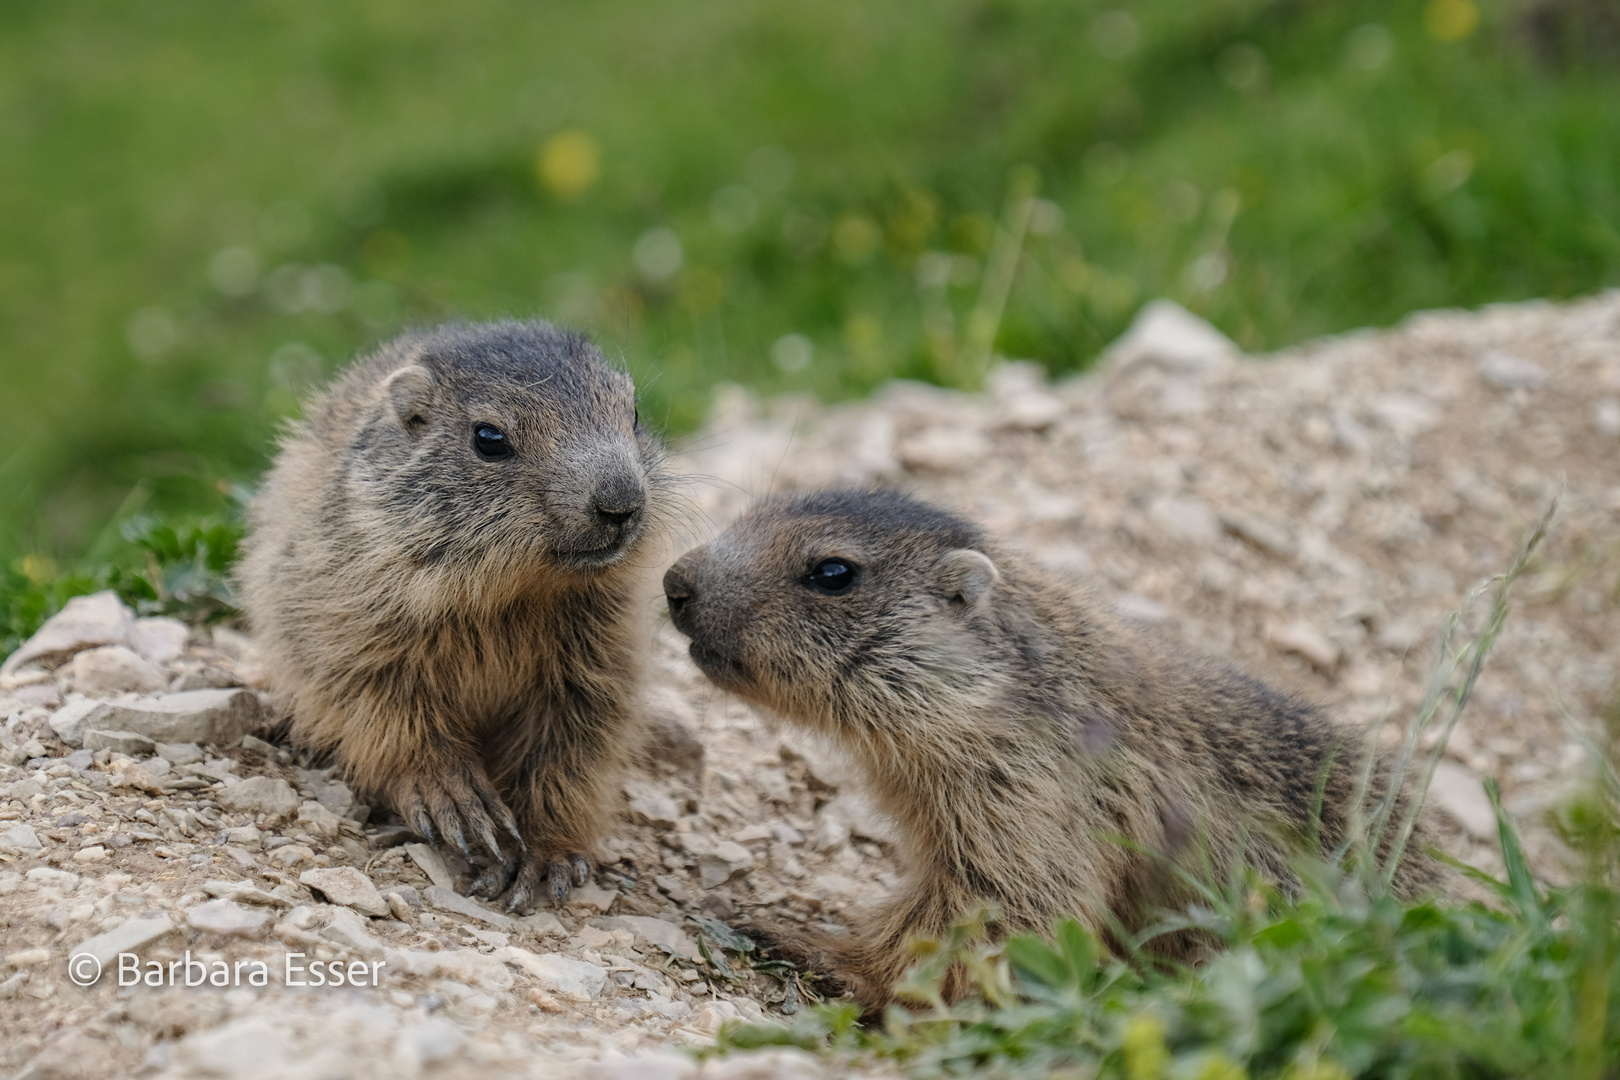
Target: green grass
834, 171
156, 566
1336, 983
1342, 980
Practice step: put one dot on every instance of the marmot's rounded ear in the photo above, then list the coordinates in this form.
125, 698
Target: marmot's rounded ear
410, 393
965, 576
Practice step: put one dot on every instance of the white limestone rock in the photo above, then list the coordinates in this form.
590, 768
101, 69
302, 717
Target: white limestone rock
467, 966
449, 900
109, 670
271, 796
650, 806
658, 933
129, 743
348, 929
220, 717
83, 623
21, 838
132, 935
943, 449
1170, 337
315, 818
1459, 794
577, 980
431, 863
727, 861
227, 918
1301, 638
347, 886
159, 639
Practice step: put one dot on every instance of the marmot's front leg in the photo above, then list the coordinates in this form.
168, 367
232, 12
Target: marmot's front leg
560, 797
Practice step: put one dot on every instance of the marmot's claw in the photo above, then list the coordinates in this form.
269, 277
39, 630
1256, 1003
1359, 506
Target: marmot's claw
486, 810
423, 824
558, 882
494, 880
524, 888
458, 804
582, 868
408, 801
463, 803
498, 815
487, 835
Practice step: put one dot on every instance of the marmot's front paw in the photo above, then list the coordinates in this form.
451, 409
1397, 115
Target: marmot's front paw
455, 803
549, 878
496, 877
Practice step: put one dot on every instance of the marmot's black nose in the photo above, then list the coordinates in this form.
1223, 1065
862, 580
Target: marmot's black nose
678, 590
618, 502
616, 517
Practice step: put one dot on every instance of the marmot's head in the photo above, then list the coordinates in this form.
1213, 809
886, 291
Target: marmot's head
838, 607
494, 448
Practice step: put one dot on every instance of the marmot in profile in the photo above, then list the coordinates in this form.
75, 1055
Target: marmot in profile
1031, 751
438, 571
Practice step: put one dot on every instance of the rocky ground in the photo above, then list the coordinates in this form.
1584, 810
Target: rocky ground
1315, 515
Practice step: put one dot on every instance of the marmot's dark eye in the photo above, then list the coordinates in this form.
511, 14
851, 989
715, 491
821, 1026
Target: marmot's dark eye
832, 576
490, 442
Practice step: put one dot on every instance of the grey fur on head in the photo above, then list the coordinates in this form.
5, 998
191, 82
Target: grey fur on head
570, 423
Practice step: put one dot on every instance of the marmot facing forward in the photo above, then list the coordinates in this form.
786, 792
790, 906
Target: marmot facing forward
437, 571
1031, 752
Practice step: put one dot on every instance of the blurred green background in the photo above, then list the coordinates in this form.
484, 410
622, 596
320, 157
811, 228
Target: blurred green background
206, 208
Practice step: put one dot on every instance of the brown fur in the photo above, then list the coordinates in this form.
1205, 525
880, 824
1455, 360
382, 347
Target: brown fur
455, 629
1013, 731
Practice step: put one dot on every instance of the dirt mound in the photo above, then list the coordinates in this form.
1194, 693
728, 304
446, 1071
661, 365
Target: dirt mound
1315, 515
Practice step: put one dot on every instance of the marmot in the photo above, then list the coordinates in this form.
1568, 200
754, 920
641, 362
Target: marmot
1032, 752
437, 570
